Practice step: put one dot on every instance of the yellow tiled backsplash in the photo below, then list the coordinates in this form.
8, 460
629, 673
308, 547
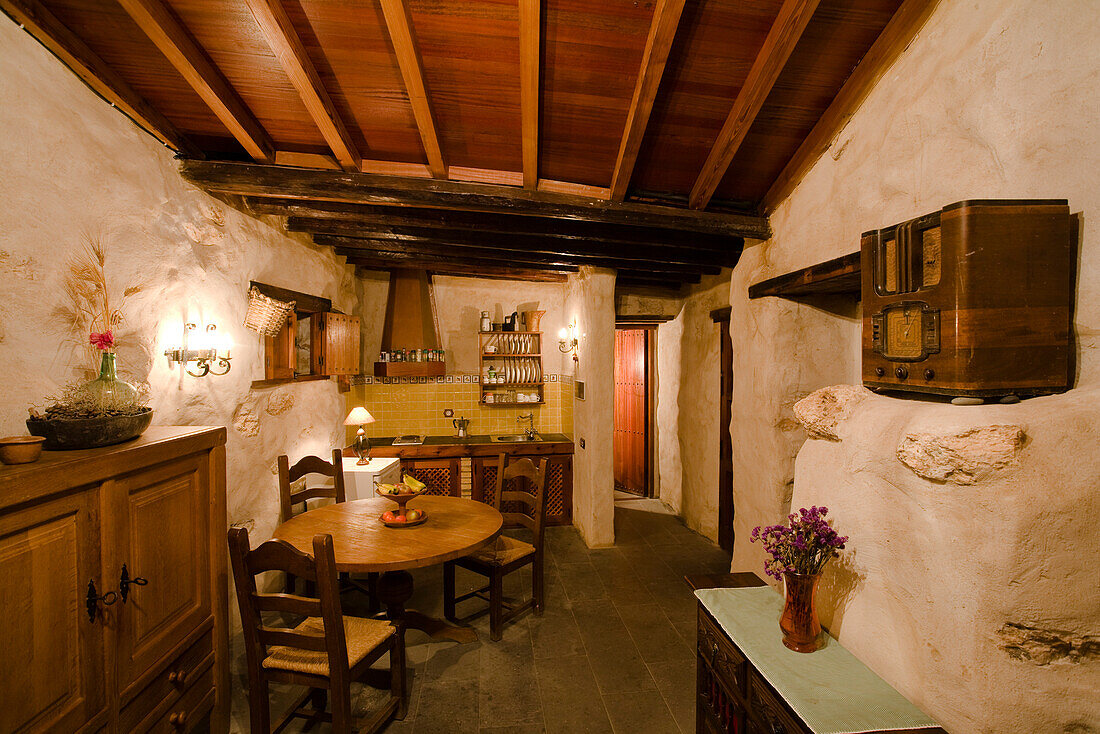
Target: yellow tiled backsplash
418, 408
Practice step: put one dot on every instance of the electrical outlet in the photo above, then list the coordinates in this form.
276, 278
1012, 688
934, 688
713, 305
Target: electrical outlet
582, 443
448, 413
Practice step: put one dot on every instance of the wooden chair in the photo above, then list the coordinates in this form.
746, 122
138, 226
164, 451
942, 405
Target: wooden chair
325, 651
506, 554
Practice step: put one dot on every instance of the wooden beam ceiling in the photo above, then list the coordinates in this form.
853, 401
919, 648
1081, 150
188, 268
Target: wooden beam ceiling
284, 42
530, 53
536, 276
163, 28
74, 53
475, 248
565, 232
894, 39
793, 18
412, 72
662, 32
249, 179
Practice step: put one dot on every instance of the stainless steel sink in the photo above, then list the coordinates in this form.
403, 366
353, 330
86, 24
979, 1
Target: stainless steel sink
516, 438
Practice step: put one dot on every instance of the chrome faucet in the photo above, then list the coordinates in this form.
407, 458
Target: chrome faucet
530, 431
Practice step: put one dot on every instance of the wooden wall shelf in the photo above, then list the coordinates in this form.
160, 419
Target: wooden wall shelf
409, 369
840, 276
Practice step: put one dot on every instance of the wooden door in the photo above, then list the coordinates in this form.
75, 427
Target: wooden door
725, 451
53, 672
334, 344
160, 520
631, 411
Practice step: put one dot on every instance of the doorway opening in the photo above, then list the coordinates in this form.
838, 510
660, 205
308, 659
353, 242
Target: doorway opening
721, 317
633, 445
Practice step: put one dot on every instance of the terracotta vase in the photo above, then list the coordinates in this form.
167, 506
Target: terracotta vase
801, 628
532, 319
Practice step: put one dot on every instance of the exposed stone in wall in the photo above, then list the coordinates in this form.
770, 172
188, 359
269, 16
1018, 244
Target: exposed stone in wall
245, 421
279, 402
822, 411
1040, 646
962, 457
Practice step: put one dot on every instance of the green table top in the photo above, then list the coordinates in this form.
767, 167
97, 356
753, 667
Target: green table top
830, 689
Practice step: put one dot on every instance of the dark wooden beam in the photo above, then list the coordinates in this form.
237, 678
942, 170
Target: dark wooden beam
537, 276
519, 225
168, 34
350, 245
793, 17
840, 276
304, 303
397, 260
662, 31
287, 46
530, 37
505, 245
250, 179
75, 54
894, 39
400, 29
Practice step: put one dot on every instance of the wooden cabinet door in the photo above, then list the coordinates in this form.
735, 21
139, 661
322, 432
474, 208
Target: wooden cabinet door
53, 671
159, 520
443, 476
334, 344
280, 353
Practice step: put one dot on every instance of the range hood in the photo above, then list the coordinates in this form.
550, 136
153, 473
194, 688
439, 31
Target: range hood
410, 324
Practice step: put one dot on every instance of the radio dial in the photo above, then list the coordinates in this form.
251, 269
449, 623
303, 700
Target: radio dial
902, 373
880, 371
929, 374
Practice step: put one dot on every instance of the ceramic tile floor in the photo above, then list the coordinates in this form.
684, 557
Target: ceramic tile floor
613, 652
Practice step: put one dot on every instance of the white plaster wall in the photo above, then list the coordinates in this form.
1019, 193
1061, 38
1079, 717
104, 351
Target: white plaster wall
670, 469
934, 571
69, 163
590, 299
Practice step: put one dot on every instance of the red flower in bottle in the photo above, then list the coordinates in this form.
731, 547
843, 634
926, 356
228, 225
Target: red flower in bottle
103, 341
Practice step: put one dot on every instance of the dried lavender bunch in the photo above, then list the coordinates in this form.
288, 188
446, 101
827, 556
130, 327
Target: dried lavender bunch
803, 546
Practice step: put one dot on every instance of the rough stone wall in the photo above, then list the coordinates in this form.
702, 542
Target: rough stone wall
991, 100
590, 298
975, 593
71, 164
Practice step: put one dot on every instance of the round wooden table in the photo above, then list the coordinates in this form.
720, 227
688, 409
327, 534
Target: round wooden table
362, 544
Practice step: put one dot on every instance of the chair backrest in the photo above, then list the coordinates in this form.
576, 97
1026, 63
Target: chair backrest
533, 515
309, 465
260, 633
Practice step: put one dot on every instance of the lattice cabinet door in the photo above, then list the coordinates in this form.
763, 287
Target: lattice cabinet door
559, 485
443, 476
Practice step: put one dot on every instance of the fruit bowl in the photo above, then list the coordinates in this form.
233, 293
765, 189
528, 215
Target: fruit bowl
404, 522
401, 494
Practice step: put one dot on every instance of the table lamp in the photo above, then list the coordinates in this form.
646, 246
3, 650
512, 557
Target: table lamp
360, 417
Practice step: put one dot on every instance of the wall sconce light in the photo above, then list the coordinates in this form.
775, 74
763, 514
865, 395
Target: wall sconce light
202, 348
567, 340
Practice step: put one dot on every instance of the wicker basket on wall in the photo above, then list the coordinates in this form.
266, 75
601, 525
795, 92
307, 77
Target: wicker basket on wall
266, 315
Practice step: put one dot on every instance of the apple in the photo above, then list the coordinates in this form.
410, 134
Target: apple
399, 519
388, 516
414, 515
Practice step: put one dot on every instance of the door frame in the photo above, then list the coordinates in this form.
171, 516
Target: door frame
721, 317
649, 324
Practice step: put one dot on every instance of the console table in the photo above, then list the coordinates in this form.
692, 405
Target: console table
747, 682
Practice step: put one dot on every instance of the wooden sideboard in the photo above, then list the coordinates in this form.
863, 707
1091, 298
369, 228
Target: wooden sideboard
735, 695
113, 587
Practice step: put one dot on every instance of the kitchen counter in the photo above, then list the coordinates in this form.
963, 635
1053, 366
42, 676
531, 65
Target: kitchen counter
475, 445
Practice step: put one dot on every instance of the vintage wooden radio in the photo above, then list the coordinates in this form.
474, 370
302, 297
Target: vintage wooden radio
974, 300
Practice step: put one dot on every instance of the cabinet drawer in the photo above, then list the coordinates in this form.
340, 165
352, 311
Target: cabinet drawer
166, 689
721, 656
771, 714
189, 712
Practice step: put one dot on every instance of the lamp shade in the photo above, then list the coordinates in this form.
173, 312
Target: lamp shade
358, 417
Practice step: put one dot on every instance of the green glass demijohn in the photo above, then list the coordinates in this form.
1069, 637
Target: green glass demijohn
107, 393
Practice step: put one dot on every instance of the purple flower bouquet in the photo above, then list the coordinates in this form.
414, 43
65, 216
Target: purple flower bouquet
802, 546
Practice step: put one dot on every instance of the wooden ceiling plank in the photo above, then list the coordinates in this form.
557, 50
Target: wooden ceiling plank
472, 248
306, 160
288, 49
530, 42
397, 259
535, 276
651, 256
894, 39
573, 232
255, 180
395, 168
400, 29
662, 32
74, 53
575, 189
483, 175
184, 53
793, 17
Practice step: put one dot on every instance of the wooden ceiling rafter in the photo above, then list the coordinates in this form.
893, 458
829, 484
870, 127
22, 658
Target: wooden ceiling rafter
894, 39
256, 180
167, 33
530, 53
37, 20
400, 28
502, 273
662, 32
793, 17
476, 249
288, 49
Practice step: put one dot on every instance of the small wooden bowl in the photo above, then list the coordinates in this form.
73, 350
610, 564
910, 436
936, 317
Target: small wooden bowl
20, 449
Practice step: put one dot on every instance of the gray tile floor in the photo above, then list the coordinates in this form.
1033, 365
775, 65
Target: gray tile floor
613, 652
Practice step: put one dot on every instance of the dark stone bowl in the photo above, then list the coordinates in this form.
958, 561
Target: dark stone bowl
89, 433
